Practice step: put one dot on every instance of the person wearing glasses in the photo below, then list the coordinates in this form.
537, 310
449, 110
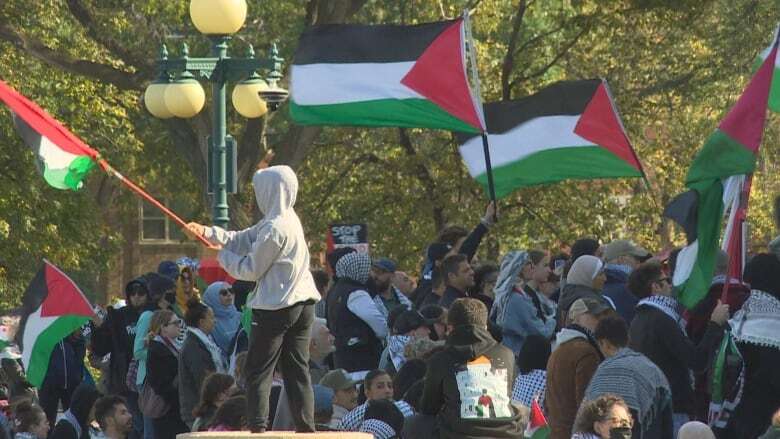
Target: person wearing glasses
273, 253
220, 298
163, 370
658, 332
606, 417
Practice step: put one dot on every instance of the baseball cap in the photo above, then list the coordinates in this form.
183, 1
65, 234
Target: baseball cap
337, 379
385, 264
409, 321
623, 247
587, 306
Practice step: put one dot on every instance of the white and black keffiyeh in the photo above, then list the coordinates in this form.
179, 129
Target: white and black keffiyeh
529, 387
669, 306
380, 429
353, 419
758, 321
355, 266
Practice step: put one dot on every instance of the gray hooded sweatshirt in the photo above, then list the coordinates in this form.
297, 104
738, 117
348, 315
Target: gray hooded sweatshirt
273, 252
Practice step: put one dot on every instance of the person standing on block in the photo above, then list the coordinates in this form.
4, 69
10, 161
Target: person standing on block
274, 254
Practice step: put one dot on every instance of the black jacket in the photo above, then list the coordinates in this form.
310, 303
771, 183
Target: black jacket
195, 364
661, 339
761, 397
474, 373
162, 373
357, 347
81, 403
450, 295
66, 364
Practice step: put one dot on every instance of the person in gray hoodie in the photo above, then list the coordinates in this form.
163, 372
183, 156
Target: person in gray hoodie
273, 253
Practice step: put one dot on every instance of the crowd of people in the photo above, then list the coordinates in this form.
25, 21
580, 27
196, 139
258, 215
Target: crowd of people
593, 338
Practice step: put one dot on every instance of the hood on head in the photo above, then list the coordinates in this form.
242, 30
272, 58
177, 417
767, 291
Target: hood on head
275, 190
567, 334
467, 342
81, 402
158, 285
141, 280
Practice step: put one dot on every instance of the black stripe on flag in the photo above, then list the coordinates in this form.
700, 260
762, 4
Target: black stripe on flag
30, 137
564, 98
351, 43
33, 298
684, 210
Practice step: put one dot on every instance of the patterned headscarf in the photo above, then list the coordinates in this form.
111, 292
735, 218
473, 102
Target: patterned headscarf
511, 266
355, 266
380, 429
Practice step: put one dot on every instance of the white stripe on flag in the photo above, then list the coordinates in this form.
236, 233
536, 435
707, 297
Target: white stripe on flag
327, 84
686, 259
53, 156
34, 326
533, 136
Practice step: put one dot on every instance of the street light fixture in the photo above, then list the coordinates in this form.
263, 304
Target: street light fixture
184, 96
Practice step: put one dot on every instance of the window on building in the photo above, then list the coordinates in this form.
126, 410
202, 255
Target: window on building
156, 226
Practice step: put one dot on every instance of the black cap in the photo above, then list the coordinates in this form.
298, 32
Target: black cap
409, 321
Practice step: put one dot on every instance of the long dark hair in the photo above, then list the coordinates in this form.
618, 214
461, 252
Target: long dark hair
213, 386
231, 414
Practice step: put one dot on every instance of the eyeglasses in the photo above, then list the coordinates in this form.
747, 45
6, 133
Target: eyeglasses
225, 292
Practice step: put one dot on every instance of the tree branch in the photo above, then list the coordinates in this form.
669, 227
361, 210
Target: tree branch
509, 59
425, 177
554, 61
59, 59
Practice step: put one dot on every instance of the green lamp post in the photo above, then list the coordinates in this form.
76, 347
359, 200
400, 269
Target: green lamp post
177, 93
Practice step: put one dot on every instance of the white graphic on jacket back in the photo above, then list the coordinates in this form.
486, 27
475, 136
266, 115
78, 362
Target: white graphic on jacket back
483, 390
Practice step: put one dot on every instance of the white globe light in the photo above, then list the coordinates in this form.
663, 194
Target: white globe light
154, 99
218, 17
246, 99
185, 98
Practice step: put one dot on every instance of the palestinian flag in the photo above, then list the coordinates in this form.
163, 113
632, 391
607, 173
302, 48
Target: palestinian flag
385, 75
716, 176
63, 159
569, 130
774, 93
537, 427
5, 339
53, 307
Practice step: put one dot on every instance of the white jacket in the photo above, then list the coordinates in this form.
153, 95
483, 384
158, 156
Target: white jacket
273, 252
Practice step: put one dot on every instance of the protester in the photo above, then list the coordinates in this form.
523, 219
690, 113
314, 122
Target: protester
756, 329
606, 417
658, 331
216, 388
345, 394
377, 386
773, 432
633, 377
199, 357
322, 282
582, 247
185, 290
114, 418
162, 372
519, 308
405, 284
383, 420
531, 381
468, 385
387, 296
30, 421
353, 318
323, 407
220, 298
231, 415
585, 280
458, 278
15, 379
622, 257
485, 276
275, 254
74, 423
411, 372
437, 315
574, 359
65, 372
410, 325
695, 430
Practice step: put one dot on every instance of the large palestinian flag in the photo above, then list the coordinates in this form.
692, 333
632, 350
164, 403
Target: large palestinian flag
569, 130
53, 308
386, 75
774, 94
63, 159
716, 178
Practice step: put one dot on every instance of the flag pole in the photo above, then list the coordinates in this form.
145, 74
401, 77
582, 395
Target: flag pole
477, 98
137, 189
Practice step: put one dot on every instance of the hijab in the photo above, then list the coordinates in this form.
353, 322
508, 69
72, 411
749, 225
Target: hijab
584, 270
226, 318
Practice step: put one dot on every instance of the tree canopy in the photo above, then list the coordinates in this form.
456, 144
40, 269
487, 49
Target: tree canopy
675, 67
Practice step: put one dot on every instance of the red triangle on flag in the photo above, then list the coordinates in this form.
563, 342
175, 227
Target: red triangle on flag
537, 418
63, 296
601, 125
439, 75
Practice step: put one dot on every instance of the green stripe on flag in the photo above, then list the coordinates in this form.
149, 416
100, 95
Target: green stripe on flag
541, 433
721, 156
409, 113
44, 345
558, 164
71, 177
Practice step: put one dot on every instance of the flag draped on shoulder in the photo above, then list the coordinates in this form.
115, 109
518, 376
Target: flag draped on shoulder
63, 159
53, 307
715, 179
568, 130
384, 75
